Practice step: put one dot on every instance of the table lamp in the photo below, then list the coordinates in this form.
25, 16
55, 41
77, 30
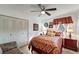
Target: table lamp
70, 30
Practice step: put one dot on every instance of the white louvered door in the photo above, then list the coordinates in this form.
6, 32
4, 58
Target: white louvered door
13, 29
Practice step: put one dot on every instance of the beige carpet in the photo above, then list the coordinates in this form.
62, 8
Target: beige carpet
25, 50
67, 51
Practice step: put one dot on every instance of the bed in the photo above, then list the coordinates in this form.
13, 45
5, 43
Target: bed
44, 44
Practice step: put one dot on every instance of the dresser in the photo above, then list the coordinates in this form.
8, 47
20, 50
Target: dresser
70, 44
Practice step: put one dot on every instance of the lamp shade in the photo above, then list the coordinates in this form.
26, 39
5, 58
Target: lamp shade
70, 30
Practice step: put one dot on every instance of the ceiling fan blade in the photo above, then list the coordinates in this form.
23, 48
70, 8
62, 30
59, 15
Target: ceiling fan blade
48, 13
40, 6
43, 8
51, 9
35, 11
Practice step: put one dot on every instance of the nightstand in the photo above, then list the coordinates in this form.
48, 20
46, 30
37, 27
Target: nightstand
70, 44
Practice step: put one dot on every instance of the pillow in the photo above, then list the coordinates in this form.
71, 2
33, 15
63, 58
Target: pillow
57, 33
50, 33
0, 50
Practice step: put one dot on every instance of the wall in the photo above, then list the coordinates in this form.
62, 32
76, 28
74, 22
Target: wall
38, 20
75, 18
31, 32
77, 28
13, 29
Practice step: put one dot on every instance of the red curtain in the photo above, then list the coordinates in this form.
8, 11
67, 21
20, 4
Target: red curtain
64, 20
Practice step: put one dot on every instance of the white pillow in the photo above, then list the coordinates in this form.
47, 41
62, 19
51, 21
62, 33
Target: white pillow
0, 50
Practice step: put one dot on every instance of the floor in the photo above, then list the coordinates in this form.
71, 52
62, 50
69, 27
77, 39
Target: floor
25, 50
67, 51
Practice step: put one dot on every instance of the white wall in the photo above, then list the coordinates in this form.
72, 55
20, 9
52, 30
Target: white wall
75, 19
74, 16
40, 21
31, 32
12, 29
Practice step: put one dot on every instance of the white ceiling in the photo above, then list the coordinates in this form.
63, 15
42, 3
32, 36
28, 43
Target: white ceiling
24, 10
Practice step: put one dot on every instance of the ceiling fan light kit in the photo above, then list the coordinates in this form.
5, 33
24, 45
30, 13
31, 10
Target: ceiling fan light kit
42, 12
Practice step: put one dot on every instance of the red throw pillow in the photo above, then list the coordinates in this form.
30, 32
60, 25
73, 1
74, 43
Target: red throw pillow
57, 33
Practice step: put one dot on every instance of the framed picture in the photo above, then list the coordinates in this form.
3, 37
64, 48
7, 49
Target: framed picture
46, 24
35, 27
50, 24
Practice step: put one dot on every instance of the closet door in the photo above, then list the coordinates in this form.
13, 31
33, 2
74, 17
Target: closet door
12, 29
1, 24
22, 31
18, 31
4, 29
1, 30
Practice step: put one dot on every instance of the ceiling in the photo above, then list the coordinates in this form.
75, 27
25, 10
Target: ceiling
24, 10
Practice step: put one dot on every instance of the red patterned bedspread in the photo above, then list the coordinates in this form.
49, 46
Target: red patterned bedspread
44, 44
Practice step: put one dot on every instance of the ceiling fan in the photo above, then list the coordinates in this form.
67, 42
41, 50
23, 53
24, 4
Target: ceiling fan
43, 10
